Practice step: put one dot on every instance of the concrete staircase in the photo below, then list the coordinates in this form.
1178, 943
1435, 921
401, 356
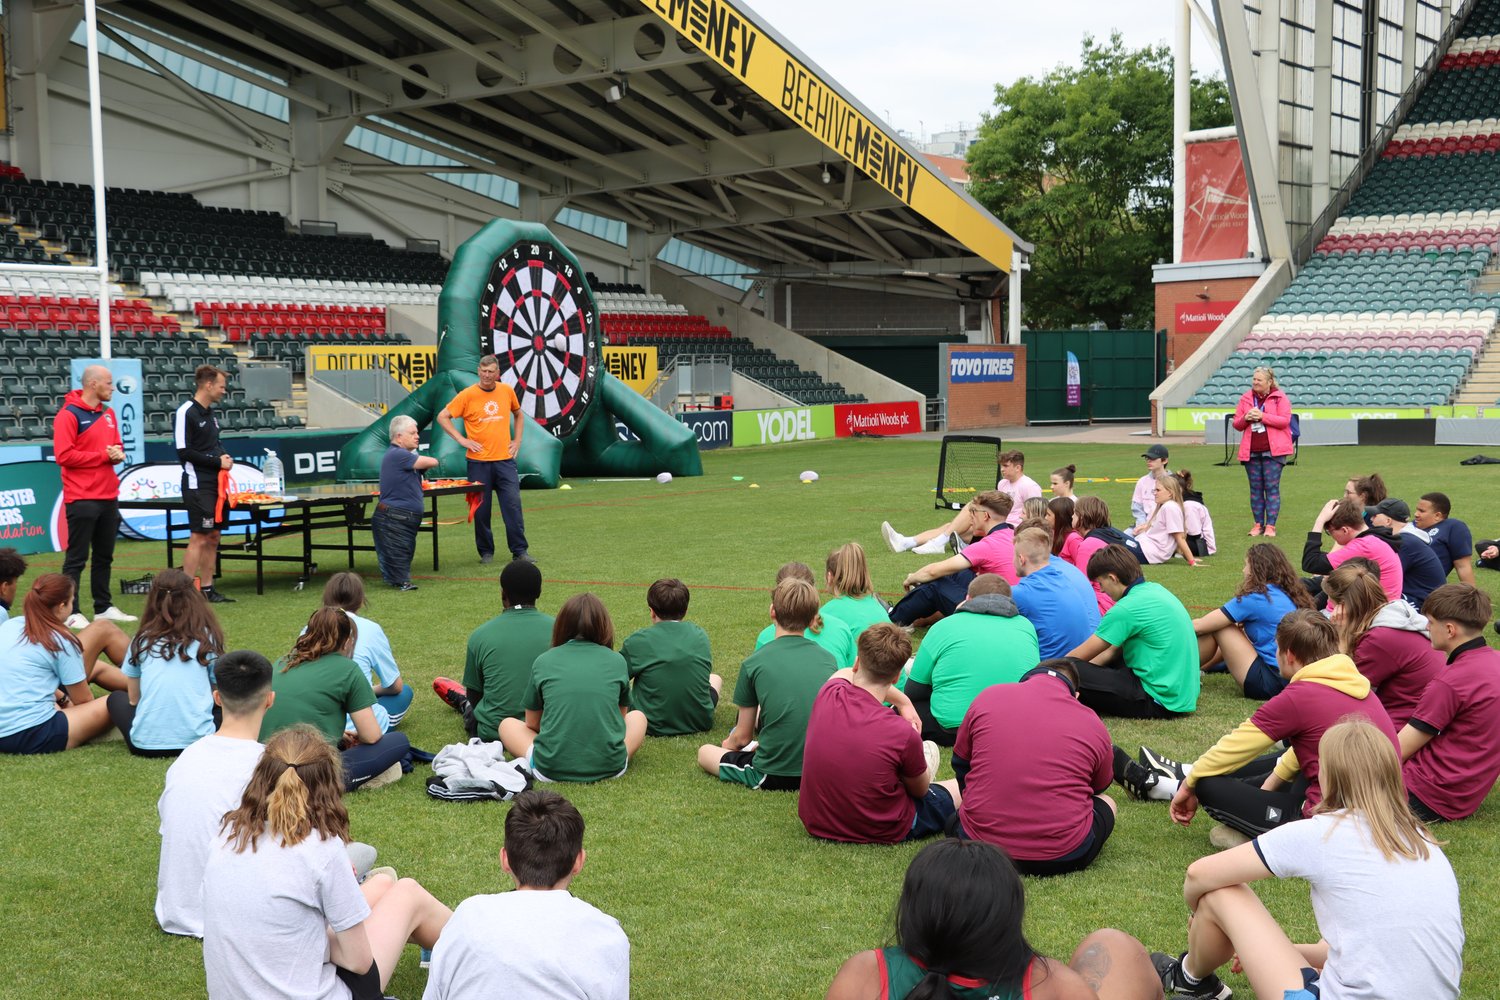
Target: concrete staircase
1482, 387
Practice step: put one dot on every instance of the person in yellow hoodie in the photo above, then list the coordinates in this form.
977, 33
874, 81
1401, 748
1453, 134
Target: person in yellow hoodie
1237, 781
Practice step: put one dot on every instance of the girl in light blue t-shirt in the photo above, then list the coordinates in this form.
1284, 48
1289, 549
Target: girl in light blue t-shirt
41, 654
168, 703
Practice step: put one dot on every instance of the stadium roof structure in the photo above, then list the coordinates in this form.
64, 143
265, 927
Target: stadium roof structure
683, 118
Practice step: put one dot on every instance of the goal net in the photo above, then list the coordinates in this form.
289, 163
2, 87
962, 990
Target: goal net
968, 465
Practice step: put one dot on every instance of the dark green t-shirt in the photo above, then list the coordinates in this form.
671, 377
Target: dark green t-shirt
319, 692
669, 663
498, 663
579, 688
782, 678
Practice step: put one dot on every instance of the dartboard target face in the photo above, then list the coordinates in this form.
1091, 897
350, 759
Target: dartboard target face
537, 316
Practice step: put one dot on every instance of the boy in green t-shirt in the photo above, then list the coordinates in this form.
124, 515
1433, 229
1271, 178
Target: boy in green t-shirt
671, 666
1141, 662
774, 693
497, 664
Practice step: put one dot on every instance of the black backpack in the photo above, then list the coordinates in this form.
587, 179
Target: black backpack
1111, 535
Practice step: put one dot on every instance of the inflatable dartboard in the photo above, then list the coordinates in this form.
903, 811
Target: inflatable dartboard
515, 291
537, 315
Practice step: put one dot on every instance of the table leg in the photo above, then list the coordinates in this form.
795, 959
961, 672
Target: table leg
432, 512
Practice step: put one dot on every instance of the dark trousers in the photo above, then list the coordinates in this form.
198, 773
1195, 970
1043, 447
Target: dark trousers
364, 761
1237, 800
498, 478
395, 534
1483, 563
939, 597
1115, 690
92, 524
932, 729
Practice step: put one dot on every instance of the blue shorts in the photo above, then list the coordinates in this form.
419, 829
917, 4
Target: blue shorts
1309, 990
935, 811
1263, 680
44, 737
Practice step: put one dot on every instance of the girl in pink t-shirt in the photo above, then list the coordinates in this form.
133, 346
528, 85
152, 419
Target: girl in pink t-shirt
1059, 520
1165, 532
1090, 514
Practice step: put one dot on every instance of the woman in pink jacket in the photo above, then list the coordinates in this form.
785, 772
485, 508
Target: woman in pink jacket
1264, 415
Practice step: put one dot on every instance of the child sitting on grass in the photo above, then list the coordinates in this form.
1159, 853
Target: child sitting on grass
854, 601
578, 725
775, 693
867, 776
571, 949
372, 649
671, 666
830, 633
205, 783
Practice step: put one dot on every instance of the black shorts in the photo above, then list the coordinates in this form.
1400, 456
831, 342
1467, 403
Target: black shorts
44, 737
362, 985
1075, 860
202, 508
738, 768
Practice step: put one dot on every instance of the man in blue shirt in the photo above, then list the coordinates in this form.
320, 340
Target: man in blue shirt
1450, 538
1053, 595
399, 512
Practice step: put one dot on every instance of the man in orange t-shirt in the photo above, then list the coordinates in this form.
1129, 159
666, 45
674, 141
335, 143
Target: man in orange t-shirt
486, 411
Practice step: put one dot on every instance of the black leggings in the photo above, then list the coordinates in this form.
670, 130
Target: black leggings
122, 715
932, 729
1237, 800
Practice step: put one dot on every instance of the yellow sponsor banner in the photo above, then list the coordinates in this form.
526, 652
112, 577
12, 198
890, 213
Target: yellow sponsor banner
411, 366
635, 366
734, 41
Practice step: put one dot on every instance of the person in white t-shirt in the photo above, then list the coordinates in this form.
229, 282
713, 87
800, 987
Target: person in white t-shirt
1384, 895
282, 913
204, 783
566, 949
1164, 534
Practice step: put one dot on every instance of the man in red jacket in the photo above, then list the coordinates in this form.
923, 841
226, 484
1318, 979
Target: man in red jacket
86, 442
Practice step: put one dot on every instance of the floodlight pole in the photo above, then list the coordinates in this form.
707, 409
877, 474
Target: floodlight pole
1182, 107
96, 141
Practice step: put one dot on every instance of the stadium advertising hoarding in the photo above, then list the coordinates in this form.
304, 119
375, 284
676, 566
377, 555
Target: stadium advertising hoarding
160, 481
1201, 317
796, 423
733, 39
1216, 224
712, 429
635, 366
981, 366
882, 419
409, 365
1182, 418
31, 507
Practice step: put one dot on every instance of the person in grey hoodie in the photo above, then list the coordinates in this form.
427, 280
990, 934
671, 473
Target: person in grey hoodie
985, 641
1388, 640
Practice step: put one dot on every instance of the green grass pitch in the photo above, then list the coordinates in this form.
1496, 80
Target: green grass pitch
720, 890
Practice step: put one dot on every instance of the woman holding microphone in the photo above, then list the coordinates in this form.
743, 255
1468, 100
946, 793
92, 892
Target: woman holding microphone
1264, 416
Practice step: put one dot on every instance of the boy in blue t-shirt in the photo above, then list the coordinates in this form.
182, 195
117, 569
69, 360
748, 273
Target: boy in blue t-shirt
398, 514
1451, 540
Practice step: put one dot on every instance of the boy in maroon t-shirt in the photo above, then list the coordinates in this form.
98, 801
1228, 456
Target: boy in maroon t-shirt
1451, 745
867, 776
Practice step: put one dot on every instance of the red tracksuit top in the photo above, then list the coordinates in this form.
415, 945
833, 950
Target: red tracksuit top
79, 439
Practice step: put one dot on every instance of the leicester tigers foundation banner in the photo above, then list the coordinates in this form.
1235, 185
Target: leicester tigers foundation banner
31, 508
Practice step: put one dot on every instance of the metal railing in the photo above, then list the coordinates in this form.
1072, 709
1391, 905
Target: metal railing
1371, 153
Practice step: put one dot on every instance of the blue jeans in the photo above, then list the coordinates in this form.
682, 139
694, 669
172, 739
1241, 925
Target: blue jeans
395, 533
498, 478
940, 596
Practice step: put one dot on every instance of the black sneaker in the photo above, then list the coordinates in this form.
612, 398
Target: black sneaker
1210, 987
523, 557
1164, 766
212, 596
1135, 779
408, 585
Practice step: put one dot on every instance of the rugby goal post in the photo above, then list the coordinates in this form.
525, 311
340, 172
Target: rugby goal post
969, 464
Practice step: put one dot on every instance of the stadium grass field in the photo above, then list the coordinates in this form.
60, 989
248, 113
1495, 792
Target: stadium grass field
720, 890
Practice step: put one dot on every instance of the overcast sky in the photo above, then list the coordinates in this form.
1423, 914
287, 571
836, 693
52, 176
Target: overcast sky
929, 67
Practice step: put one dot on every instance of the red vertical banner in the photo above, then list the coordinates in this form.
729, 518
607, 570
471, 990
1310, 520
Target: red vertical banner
1216, 225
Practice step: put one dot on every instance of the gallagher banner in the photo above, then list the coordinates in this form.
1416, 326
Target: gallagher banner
1216, 225
882, 419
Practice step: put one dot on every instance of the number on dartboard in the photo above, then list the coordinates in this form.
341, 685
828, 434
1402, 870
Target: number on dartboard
538, 319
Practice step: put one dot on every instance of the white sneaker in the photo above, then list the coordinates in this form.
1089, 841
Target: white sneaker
893, 538
76, 621
114, 614
1224, 837
934, 547
389, 776
934, 758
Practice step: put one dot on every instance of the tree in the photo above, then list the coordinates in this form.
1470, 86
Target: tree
1079, 162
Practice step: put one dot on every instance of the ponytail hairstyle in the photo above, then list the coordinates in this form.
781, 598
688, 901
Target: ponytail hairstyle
802, 571
960, 914
1089, 514
345, 590
297, 789
177, 615
1065, 475
1061, 509
1360, 772
848, 572
1266, 565
43, 626
1360, 597
328, 631
1370, 489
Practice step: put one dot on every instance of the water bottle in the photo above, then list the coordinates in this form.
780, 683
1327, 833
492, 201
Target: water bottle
271, 471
